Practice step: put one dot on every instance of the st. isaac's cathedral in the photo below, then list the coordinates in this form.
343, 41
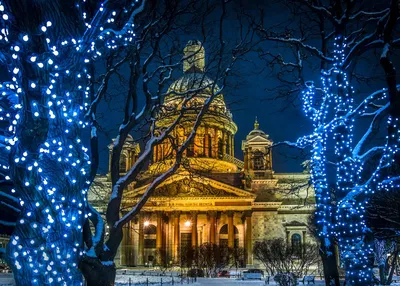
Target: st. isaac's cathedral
214, 197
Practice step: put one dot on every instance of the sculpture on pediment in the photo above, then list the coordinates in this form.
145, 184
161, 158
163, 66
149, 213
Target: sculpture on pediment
188, 188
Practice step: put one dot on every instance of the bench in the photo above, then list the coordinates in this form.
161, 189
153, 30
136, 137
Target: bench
308, 279
395, 278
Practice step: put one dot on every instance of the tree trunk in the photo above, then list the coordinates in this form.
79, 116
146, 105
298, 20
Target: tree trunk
382, 274
96, 273
329, 263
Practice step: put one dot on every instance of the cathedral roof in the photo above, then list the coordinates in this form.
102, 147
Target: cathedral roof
256, 132
194, 81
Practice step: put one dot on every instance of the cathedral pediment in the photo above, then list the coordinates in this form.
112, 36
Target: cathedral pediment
260, 139
183, 187
190, 188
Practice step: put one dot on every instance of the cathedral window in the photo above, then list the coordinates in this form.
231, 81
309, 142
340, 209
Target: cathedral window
259, 161
296, 244
190, 149
220, 148
122, 163
150, 236
207, 146
223, 236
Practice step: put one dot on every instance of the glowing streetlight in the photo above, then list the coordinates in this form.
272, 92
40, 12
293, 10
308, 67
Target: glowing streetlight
146, 223
187, 223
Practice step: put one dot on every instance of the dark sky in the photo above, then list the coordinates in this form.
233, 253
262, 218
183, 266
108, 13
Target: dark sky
250, 92
245, 95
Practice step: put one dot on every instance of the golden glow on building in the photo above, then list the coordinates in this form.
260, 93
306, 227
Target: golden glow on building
214, 197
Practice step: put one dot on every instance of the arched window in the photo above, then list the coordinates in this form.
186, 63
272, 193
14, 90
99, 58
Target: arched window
223, 236
122, 163
207, 148
220, 148
296, 244
190, 149
150, 232
259, 161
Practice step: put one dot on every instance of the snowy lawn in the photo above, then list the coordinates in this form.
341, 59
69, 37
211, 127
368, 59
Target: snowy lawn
142, 280
123, 280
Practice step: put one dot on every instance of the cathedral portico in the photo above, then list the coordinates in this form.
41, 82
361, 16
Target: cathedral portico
182, 229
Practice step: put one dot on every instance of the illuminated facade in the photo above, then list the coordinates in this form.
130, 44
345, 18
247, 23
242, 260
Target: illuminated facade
214, 197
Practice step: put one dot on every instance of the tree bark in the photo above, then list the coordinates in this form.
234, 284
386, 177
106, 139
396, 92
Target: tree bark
96, 273
329, 263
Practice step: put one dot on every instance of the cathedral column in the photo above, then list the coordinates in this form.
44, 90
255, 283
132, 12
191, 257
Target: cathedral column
127, 160
215, 143
195, 145
124, 247
109, 161
130, 252
194, 229
212, 215
223, 143
232, 146
231, 232
250, 160
176, 237
246, 160
205, 142
159, 236
141, 241
229, 142
249, 238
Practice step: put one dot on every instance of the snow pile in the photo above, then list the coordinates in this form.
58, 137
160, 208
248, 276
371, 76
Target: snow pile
123, 280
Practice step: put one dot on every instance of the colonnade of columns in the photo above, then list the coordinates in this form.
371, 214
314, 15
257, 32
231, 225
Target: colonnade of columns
130, 156
128, 250
200, 145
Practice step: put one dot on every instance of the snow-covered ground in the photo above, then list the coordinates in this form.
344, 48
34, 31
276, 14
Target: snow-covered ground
141, 280
124, 280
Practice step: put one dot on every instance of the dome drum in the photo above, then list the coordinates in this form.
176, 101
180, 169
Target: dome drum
215, 135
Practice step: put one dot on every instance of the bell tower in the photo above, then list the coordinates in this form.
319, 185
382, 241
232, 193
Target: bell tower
129, 155
257, 154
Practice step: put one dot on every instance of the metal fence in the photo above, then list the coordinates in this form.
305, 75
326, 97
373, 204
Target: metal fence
159, 281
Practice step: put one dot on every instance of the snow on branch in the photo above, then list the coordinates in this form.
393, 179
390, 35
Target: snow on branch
7, 223
372, 130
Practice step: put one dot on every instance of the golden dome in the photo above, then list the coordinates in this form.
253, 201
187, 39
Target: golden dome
213, 143
196, 84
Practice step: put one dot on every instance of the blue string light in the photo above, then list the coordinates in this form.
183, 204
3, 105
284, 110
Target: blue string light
52, 179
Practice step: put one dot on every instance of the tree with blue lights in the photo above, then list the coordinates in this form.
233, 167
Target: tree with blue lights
61, 57
48, 48
363, 164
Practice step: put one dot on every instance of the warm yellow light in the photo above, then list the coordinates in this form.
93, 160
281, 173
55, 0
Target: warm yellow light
187, 223
146, 223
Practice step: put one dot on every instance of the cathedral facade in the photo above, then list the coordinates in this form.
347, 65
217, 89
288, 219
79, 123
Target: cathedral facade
214, 197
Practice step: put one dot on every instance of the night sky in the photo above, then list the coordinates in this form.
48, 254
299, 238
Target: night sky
250, 92
247, 98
